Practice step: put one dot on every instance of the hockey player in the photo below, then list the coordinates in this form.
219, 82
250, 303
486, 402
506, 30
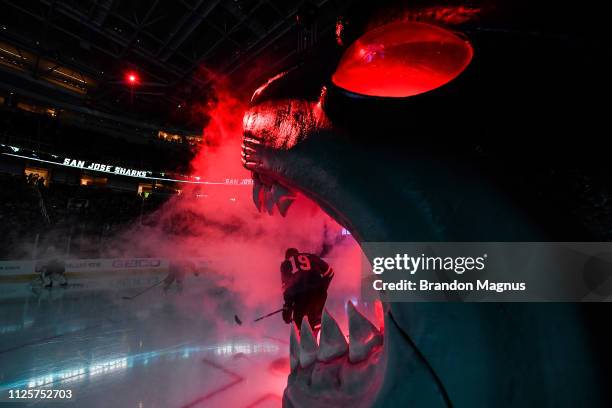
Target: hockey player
52, 268
305, 279
177, 271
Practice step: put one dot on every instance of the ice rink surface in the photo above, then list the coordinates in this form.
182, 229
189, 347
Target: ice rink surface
158, 350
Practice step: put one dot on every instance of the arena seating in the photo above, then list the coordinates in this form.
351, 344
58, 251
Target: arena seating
79, 217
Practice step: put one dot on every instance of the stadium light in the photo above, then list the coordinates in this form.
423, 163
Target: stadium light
132, 78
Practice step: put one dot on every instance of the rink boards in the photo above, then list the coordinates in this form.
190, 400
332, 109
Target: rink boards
19, 278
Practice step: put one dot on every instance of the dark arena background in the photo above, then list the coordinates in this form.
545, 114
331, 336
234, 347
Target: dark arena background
160, 159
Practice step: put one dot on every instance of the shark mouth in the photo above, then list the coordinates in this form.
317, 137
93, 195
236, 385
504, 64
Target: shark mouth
331, 372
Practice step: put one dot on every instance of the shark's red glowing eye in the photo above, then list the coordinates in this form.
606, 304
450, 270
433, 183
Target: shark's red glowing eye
402, 59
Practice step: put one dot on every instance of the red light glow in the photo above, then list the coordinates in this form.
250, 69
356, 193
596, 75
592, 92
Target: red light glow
402, 59
132, 78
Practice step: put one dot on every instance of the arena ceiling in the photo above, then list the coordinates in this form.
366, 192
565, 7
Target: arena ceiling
87, 49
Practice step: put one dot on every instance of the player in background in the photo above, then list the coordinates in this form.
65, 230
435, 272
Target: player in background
177, 271
305, 279
52, 268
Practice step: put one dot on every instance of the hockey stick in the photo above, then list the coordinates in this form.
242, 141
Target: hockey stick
140, 293
268, 315
237, 319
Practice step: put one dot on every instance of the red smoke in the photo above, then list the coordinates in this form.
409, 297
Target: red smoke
221, 224
214, 160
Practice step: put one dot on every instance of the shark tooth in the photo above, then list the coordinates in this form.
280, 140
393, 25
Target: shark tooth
363, 335
257, 190
284, 204
294, 348
332, 343
269, 199
279, 192
308, 344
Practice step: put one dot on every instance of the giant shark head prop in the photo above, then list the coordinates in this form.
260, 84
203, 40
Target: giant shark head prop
420, 133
